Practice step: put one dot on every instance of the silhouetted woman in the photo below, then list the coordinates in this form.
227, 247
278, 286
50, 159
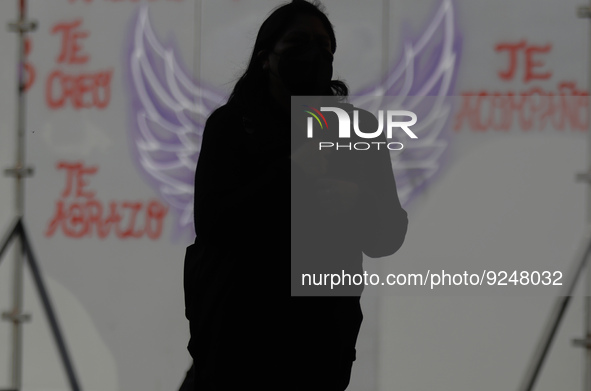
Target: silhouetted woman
245, 332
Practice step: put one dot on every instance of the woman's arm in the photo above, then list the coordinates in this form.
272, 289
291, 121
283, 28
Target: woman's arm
383, 220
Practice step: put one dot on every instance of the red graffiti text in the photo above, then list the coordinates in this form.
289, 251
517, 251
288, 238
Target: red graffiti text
83, 90
78, 212
533, 64
29, 69
532, 107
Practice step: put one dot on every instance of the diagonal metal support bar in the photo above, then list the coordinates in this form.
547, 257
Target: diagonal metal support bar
47, 306
9, 236
556, 316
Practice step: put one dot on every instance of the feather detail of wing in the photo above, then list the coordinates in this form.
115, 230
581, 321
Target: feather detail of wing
169, 116
422, 82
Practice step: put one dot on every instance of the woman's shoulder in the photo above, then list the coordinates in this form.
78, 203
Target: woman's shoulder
224, 113
225, 121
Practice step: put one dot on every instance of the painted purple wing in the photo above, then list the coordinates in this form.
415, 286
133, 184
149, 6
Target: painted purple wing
422, 81
169, 115
169, 109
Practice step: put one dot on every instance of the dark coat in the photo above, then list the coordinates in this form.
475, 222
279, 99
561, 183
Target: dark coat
244, 331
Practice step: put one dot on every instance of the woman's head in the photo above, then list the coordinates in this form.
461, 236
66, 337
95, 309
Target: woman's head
292, 55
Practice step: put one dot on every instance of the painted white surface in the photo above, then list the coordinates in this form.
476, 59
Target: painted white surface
120, 302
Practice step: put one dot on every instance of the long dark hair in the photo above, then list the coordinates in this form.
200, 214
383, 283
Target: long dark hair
253, 83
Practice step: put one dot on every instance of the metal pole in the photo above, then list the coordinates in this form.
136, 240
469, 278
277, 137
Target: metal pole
17, 281
585, 12
18, 232
587, 375
19, 172
587, 320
